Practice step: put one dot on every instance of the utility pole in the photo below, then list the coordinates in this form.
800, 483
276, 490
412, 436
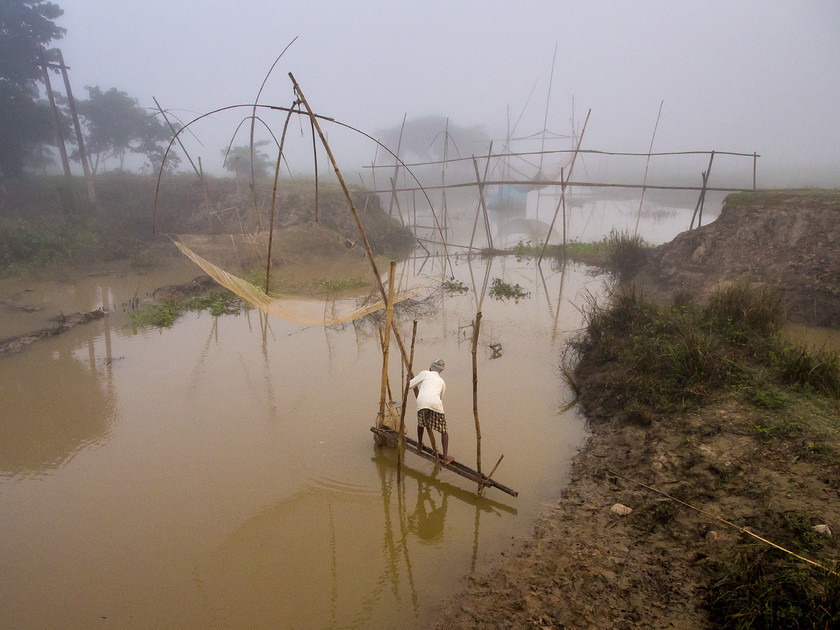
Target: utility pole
76, 124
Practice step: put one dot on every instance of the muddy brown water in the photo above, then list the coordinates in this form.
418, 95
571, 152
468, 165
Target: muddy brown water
221, 472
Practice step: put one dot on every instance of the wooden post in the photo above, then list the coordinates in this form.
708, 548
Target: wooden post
476, 328
389, 314
400, 440
481, 199
59, 137
755, 164
79, 137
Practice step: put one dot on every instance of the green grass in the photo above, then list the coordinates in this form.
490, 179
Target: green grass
284, 285
668, 358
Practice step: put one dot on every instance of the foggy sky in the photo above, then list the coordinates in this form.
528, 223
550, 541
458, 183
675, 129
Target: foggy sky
733, 76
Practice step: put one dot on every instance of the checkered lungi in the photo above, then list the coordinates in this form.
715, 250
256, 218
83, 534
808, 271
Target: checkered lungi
431, 419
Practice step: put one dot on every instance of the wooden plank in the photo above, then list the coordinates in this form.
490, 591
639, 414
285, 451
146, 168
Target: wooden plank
390, 436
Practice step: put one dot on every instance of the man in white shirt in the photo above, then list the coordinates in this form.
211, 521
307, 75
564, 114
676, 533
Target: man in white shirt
430, 406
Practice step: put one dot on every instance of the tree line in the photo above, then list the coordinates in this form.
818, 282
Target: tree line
113, 124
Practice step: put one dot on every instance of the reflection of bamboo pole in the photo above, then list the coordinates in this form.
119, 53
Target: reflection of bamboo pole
476, 328
563, 190
647, 164
389, 315
338, 175
400, 444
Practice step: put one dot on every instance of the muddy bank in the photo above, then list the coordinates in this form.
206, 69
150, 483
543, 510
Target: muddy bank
788, 238
696, 482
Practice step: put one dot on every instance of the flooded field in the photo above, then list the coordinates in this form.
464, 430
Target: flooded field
221, 472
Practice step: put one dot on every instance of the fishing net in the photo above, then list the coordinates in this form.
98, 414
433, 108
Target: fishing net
310, 312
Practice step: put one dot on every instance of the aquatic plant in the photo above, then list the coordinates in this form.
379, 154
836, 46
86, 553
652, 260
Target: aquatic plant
501, 290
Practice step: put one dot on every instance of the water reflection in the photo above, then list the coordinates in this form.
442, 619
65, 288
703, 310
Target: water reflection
72, 405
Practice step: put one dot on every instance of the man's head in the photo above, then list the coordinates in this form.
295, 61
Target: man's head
437, 366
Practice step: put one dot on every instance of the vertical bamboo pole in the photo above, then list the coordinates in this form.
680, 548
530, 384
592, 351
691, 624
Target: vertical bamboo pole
755, 164
400, 441
274, 199
476, 328
481, 196
358, 221
647, 164
563, 188
482, 205
386, 344
703, 192
315, 158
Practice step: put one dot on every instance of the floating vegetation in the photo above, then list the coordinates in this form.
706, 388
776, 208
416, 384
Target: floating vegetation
167, 312
501, 290
454, 286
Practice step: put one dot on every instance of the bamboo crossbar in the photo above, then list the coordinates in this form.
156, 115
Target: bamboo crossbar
391, 436
551, 182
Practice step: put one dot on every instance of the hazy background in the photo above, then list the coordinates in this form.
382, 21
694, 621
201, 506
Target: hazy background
734, 76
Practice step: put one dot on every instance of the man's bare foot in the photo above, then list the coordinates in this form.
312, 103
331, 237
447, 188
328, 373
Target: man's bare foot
419, 447
447, 459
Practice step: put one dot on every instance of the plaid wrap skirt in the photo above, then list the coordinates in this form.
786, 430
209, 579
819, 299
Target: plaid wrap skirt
431, 419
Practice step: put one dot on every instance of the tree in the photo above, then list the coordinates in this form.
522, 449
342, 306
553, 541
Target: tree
117, 125
238, 160
423, 139
26, 28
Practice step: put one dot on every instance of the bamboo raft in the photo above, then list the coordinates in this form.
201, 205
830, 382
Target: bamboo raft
389, 436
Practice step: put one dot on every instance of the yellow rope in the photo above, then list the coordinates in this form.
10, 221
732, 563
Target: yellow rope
723, 520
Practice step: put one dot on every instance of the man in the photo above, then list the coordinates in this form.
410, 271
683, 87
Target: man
430, 406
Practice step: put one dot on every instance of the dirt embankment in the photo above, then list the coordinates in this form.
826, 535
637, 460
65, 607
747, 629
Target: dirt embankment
789, 239
589, 566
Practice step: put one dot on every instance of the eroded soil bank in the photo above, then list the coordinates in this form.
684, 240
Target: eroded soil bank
588, 566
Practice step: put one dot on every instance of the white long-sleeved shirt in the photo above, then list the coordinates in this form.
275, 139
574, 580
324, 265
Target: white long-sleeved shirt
431, 391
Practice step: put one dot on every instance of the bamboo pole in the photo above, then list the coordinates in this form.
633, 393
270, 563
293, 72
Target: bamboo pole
180, 144
400, 440
389, 315
274, 199
482, 205
476, 328
349, 198
480, 189
490, 476
647, 164
703, 192
315, 159
563, 188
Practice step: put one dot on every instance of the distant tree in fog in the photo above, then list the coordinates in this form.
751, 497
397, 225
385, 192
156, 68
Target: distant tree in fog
424, 139
26, 27
238, 160
117, 125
